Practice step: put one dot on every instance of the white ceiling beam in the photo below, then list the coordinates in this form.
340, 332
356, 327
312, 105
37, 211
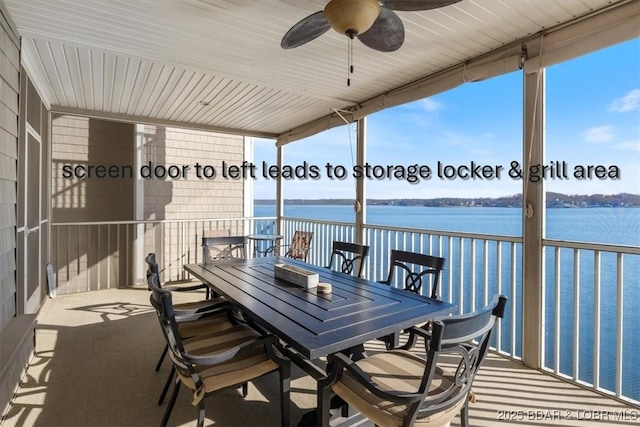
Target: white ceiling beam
129, 118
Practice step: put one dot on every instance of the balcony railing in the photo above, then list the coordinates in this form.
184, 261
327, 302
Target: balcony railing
477, 267
590, 290
91, 256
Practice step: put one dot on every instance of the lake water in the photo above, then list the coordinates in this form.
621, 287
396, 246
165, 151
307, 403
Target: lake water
619, 226
600, 225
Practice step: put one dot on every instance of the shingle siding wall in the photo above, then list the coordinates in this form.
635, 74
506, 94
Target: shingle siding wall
16, 332
83, 141
192, 198
9, 90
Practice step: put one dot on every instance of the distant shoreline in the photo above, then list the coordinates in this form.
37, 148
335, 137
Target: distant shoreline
554, 200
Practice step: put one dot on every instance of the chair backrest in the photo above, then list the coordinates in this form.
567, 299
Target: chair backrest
347, 256
463, 339
223, 247
162, 302
216, 233
407, 263
152, 266
300, 244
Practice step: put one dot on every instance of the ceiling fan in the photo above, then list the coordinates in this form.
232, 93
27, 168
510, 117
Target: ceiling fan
373, 22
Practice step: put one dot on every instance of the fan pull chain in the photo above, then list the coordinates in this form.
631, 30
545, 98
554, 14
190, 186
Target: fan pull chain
349, 60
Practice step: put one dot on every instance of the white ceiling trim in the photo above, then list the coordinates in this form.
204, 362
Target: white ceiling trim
588, 35
144, 120
493, 64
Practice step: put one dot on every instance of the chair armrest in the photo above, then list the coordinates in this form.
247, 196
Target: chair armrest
341, 361
185, 288
228, 354
421, 331
209, 311
285, 247
270, 250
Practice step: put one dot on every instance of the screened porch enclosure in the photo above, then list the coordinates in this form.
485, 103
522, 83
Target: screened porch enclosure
113, 84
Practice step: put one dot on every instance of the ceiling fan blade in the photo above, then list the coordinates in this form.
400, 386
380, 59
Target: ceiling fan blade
311, 27
386, 34
413, 5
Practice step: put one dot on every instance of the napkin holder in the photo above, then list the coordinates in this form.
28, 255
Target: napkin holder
297, 276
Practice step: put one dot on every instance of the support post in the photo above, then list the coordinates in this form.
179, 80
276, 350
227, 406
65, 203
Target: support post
533, 215
279, 199
138, 206
361, 201
247, 208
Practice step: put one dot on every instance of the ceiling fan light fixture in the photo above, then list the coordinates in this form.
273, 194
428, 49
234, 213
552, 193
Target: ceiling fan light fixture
351, 17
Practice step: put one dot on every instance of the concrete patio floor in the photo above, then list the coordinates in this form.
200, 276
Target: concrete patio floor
95, 358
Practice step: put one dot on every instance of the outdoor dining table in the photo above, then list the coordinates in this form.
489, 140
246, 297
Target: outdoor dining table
312, 324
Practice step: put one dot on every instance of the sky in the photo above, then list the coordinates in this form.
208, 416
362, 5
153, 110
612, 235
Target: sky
592, 113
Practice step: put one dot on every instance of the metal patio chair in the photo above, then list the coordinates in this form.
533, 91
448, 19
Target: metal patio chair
223, 248
428, 265
300, 245
152, 268
347, 256
414, 269
192, 323
400, 388
219, 360
201, 306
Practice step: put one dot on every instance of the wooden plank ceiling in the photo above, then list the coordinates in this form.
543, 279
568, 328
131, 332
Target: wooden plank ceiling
165, 59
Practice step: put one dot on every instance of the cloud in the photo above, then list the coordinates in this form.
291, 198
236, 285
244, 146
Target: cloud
425, 104
629, 102
431, 105
629, 145
598, 134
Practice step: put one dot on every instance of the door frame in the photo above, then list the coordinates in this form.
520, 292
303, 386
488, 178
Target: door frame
27, 304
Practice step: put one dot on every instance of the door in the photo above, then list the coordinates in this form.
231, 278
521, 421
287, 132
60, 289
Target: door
32, 233
32, 202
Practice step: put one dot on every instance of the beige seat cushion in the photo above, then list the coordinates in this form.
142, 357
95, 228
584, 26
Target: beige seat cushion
205, 326
396, 370
245, 366
198, 305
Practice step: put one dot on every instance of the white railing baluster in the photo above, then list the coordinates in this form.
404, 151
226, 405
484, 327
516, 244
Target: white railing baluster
384, 244
619, 322
576, 314
89, 266
183, 246
556, 310
450, 258
513, 297
461, 281
596, 320
99, 258
499, 291
108, 257
473, 274
485, 270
